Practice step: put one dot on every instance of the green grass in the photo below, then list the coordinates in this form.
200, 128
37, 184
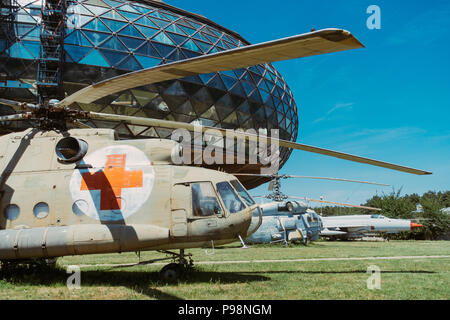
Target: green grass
400, 279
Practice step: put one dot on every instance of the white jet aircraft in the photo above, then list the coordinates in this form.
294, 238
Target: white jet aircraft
358, 226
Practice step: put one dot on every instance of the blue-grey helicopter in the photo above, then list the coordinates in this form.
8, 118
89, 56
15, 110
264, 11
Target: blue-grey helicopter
286, 219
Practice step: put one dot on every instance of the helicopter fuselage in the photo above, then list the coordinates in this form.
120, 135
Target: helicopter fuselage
85, 192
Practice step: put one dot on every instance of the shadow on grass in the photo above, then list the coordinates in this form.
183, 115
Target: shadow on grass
139, 281
336, 272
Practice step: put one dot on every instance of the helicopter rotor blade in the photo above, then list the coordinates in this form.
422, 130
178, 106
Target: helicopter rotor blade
18, 106
252, 137
338, 203
81, 125
310, 177
303, 45
16, 117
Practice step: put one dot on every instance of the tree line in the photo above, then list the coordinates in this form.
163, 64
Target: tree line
425, 209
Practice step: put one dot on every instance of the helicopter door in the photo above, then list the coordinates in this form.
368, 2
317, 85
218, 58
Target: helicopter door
206, 215
180, 201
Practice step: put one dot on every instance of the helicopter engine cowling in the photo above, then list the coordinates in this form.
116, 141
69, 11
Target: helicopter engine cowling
71, 150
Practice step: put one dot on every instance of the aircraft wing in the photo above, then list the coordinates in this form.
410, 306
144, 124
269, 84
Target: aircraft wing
304, 45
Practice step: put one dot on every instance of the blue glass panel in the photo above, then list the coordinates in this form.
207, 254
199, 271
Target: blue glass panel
130, 16
147, 62
270, 102
130, 63
217, 83
113, 15
114, 25
194, 23
264, 95
77, 38
157, 14
163, 49
247, 77
131, 43
162, 38
213, 50
171, 16
148, 50
146, 22
95, 59
229, 82
143, 9
229, 39
239, 72
213, 39
96, 25
205, 47
161, 23
76, 52
280, 92
206, 77
96, 10
76, 20
33, 47
191, 46
130, 31
185, 23
113, 57
256, 96
229, 73
176, 55
177, 38
34, 34
269, 111
128, 8
96, 37
113, 3
22, 28
174, 28
247, 87
223, 44
188, 31
191, 54
280, 117
147, 32
17, 50
114, 44
199, 36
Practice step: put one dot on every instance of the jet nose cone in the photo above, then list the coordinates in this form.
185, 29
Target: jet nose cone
415, 225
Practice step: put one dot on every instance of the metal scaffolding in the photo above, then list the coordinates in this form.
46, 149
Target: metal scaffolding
8, 11
51, 56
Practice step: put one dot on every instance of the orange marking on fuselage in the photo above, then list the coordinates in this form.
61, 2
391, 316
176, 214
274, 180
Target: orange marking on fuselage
111, 181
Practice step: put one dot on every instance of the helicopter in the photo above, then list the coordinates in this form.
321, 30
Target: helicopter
70, 189
286, 218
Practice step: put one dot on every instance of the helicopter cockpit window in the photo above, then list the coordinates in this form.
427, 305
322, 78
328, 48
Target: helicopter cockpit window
204, 200
243, 193
230, 198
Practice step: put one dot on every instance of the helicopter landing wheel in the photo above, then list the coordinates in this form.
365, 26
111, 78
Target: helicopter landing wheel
171, 272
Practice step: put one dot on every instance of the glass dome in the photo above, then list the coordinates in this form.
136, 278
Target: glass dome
105, 38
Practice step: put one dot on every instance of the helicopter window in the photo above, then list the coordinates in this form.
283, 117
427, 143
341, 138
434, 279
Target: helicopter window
243, 193
230, 198
204, 200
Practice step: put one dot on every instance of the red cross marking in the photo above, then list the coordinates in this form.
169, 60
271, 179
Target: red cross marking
111, 181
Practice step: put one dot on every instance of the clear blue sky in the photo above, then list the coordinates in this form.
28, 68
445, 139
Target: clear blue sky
389, 101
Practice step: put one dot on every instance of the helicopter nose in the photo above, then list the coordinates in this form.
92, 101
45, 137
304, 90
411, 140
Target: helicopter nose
256, 221
415, 225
